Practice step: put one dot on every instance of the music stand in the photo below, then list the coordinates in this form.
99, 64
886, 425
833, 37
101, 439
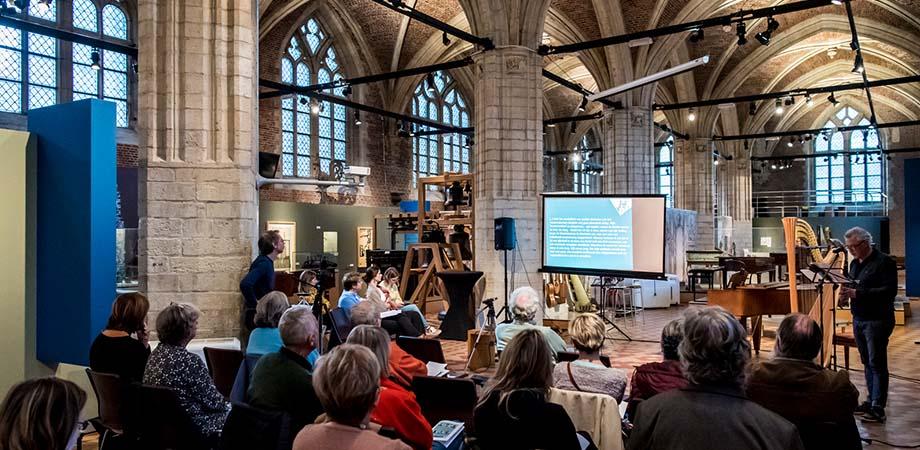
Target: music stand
824, 275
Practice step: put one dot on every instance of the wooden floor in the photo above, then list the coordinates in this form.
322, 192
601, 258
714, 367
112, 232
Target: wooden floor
902, 427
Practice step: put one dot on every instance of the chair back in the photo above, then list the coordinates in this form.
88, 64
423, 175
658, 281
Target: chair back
111, 393
162, 423
223, 363
841, 435
425, 350
341, 326
733, 265
737, 279
564, 356
598, 414
240, 391
446, 399
249, 428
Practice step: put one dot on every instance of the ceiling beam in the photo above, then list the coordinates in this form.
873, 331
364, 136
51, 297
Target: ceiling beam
835, 154
69, 36
815, 131
581, 118
411, 72
860, 61
801, 92
406, 10
728, 19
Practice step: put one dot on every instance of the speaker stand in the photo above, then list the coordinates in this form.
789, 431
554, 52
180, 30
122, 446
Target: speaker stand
506, 307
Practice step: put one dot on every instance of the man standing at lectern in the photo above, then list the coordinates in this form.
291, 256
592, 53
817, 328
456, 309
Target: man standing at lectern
872, 305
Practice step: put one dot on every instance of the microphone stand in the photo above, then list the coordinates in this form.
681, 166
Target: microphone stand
820, 288
489, 322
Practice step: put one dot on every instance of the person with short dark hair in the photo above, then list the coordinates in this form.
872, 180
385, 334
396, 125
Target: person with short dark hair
261, 277
872, 305
122, 348
41, 414
808, 395
653, 378
351, 284
347, 405
712, 412
171, 365
282, 380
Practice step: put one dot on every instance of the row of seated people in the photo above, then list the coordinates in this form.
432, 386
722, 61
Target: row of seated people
513, 412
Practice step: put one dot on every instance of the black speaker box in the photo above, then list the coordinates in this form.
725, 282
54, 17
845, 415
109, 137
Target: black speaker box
504, 233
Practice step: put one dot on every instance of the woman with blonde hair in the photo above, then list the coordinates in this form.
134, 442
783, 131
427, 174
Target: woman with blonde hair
513, 411
266, 338
389, 285
588, 374
41, 414
122, 348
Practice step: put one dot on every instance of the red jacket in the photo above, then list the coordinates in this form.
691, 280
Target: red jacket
654, 378
398, 409
404, 367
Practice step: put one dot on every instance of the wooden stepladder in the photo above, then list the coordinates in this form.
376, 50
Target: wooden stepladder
423, 262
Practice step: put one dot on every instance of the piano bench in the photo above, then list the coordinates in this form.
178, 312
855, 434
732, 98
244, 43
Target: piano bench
846, 340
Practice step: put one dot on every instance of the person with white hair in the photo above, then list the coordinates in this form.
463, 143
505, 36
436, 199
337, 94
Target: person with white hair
524, 304
712, 412
872, 304
282, 380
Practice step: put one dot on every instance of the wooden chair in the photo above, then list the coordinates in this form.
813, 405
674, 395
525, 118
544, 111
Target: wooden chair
111, 396
422, 349
446, 399
846, 340
162, 423
223, 364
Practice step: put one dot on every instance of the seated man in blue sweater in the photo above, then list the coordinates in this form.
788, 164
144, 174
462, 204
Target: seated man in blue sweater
398, 325
351, 284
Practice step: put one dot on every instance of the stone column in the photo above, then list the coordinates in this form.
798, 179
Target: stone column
735, 186
196, 125
694, 189
629, 153
509, 162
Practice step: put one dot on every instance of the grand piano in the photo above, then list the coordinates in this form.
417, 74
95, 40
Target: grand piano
757, 300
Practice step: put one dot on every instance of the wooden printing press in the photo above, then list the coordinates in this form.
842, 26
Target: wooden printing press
799, 294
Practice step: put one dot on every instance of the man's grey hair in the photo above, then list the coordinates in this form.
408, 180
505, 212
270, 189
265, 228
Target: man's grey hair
366, 313
297, 325
715, 349
858, 233
525, 302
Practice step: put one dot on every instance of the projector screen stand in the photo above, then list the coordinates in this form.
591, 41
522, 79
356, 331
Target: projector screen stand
602, 310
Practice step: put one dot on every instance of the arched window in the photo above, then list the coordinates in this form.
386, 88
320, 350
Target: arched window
28, 64
840, 176
313, 133
101, 74
665, 168
586, 166
437, 99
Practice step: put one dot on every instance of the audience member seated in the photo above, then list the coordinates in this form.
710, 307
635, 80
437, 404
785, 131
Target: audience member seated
588, 374
282, 380
396, 408
122, 348
390, 287
347, 405
41, 414
407, 322
351, 284
171, 365
652, 378
810, 396
266, 338
525, 303
712, 411
403, 366
513, 412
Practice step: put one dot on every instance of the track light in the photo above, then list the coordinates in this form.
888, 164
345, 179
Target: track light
358, 118
778, 108
789, 143
550, 125
429, 79
94, 58
697, 35
832, 99
741, 31
837, 2
576, 157
584, 104
44, 6
315, 107
346, 91
790, 101
764, 36
444, 39
572, 128
691, 114
752, 109
773, 166
808, 100
715, 160
858, 64
303, 100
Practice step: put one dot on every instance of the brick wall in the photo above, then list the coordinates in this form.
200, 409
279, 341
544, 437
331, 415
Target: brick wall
126, 155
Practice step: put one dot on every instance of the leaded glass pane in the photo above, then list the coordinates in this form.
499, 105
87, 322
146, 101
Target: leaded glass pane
874, 168
287, 103
10, 96
121, 113
294, 48
331, 63
339, 150
40, 97
43, 12
857, 170
339, 114
821, 171
287, 120
303, 144
42, 45
303, 123
303, 166
303, 74
10, 64
84, 15
339, 131
42, 71
85, 80
857, 140
287, 142
82, 54
872, 139
287, 71
324, 129
287, 165
837, 141
114, 84
10, 37
114, 22
115, 61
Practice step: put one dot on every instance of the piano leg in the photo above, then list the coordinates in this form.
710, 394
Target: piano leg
756, 332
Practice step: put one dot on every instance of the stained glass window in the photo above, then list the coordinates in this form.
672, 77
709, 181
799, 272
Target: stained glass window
437, 99
311, 131
851, 172
665, 168
28, 65
101, 74
586, 167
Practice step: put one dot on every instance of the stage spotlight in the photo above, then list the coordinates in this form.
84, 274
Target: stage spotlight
697, 35
691, 114
303, 100
346, 91
831, 98
773, 166
790, 143
444, 39
808, 100
572, 128
358, 118
778, 107
858, 64
576, 157
790, 101
741, 31
429, 80
584, 104
94, 59
752, 109
315, 107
